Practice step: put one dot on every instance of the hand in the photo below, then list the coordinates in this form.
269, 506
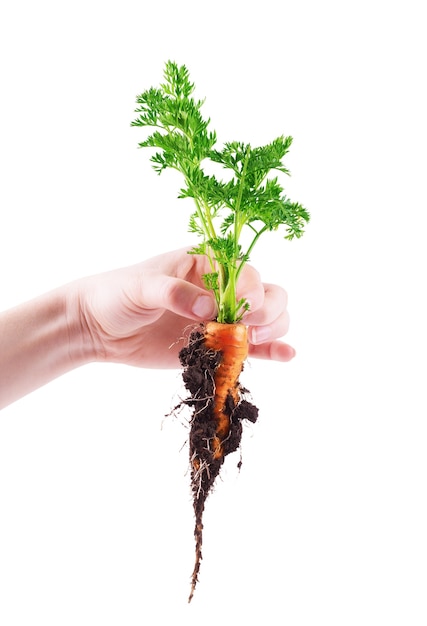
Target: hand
140, 315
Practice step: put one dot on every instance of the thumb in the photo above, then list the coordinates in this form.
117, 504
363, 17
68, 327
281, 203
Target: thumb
179, 296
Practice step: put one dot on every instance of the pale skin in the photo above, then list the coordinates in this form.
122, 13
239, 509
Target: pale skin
137, 315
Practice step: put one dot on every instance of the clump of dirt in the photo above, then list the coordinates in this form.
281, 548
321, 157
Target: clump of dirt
199, 365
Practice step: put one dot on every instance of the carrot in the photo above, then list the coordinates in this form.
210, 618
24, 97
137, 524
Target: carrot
251, 201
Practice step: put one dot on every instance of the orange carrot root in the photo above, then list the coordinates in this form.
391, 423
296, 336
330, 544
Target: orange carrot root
232, 341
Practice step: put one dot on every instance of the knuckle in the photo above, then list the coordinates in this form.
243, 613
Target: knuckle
171, 291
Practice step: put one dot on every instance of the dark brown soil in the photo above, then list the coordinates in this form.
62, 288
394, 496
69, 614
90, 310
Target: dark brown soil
199, 365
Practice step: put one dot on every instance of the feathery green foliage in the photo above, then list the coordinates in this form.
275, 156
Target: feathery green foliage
248, 200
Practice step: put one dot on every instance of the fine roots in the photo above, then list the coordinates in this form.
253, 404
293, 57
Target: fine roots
207, 451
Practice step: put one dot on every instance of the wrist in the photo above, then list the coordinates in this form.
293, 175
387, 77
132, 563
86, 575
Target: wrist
80, 338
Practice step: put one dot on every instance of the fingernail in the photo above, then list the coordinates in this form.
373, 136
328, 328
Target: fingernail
260, 334
204, 307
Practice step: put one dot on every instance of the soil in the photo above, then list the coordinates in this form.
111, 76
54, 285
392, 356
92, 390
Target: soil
199, 365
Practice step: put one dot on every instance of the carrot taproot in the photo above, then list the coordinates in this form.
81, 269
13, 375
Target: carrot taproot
228, 345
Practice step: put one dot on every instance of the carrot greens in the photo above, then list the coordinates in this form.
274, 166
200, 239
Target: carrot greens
249, 201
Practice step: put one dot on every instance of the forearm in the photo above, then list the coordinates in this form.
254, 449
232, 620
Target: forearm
39, 341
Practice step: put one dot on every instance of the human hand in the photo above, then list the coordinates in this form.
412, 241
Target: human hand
139, 315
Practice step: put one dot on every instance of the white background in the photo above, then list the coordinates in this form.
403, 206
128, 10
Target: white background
326, 523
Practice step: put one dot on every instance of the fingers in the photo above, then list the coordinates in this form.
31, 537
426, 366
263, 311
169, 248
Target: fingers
267, 301
271, 320
263, 342
160, 291
268, 319
270, 331
271, 303
272, 351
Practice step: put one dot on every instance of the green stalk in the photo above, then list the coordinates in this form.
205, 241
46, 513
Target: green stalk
229, 309
249, 250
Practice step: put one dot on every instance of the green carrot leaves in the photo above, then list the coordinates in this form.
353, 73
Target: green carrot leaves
248, 200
